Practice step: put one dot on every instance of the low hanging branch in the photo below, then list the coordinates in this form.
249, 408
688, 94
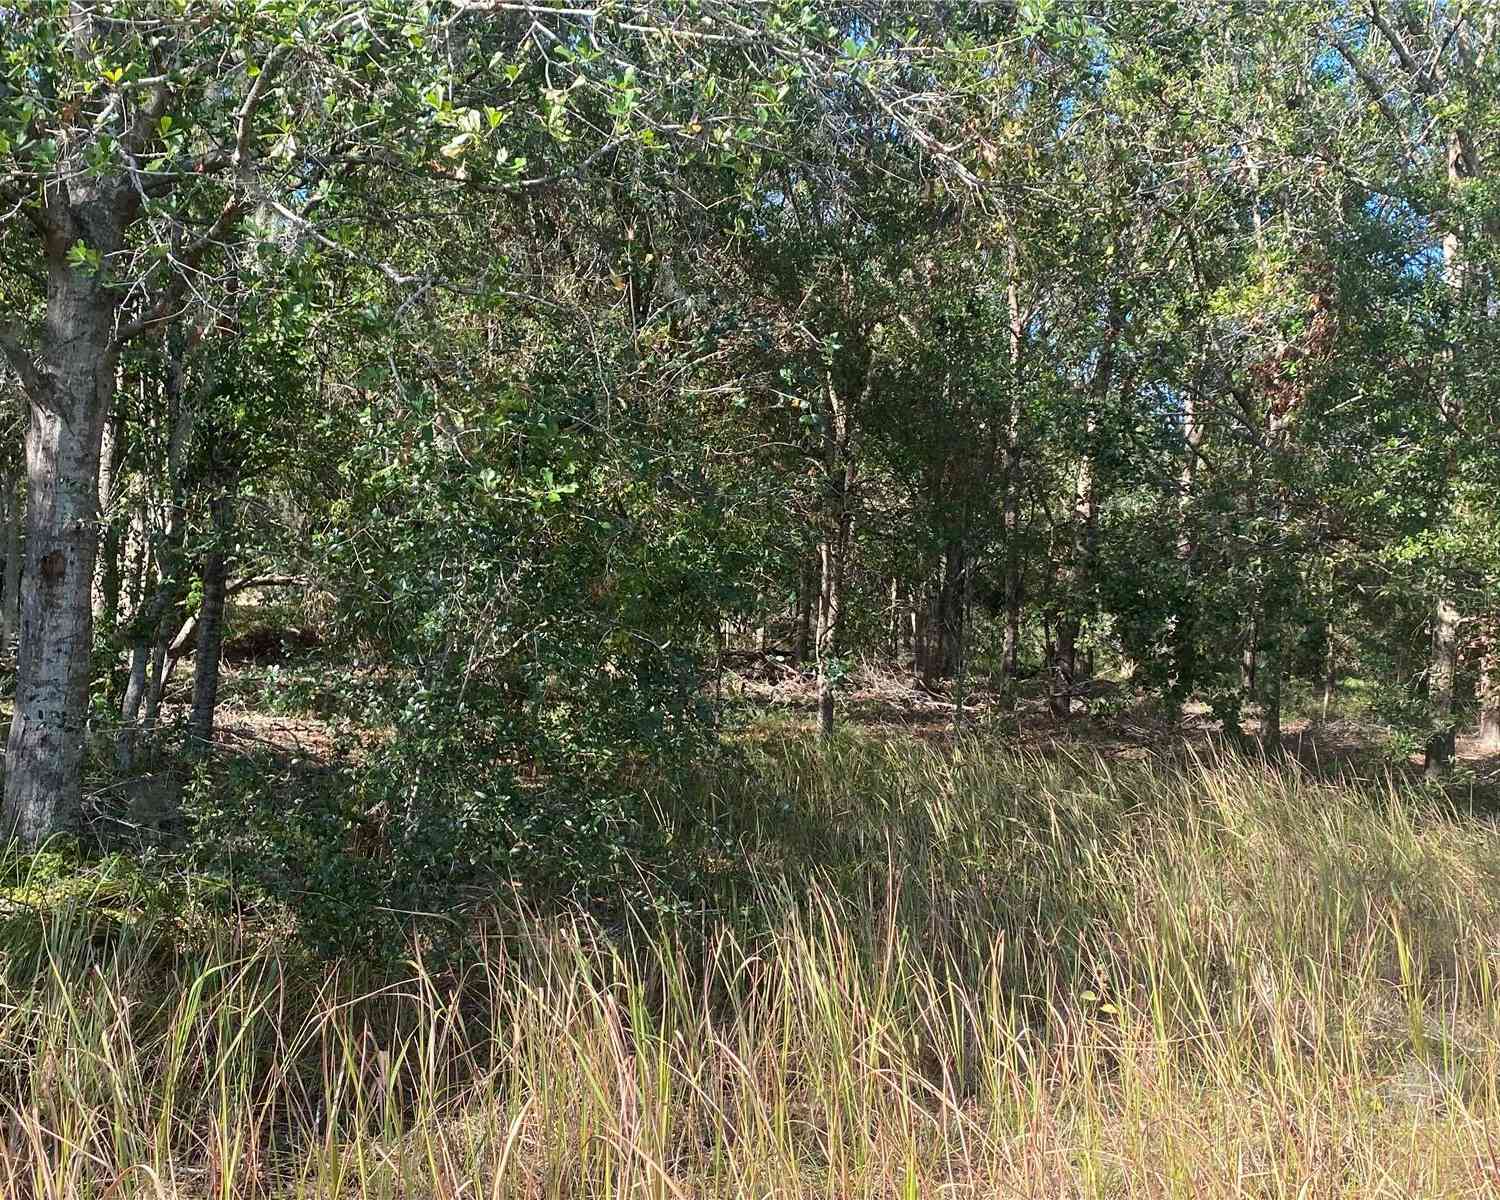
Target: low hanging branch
190, 625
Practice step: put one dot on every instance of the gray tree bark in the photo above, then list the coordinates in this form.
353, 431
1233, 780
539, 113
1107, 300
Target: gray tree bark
1069, 624
10, 588
1330, 670
1439, 748
156, 618
806, 595
68, 403
1185, 634
108, 581
835, 532
67, 370
1084, 525
211, 625
831, 601
1010, 504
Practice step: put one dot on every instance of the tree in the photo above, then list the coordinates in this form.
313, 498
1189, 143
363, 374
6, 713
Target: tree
1430, 83
138, 145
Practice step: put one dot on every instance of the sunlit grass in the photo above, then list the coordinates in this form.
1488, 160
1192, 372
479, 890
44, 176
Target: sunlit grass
965, 974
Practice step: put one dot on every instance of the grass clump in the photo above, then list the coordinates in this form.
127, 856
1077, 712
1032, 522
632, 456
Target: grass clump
926, 972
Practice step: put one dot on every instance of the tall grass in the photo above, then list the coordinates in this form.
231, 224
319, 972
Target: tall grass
939, 974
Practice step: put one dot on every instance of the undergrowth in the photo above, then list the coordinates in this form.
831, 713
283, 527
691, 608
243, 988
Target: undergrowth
921, 972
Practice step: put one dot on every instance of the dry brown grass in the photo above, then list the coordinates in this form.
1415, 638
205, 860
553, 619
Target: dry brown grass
963, 974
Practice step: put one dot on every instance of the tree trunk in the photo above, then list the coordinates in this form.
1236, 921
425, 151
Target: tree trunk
151, 631
1268, 645
905, 625
211, 625
1084, 525
1069, 622
1010, 646
1439, 755
932, 659
921, 641
908, 629
1271, 676
836, 527
1064, 666
951, 607
156, 620
961, 672
1440, 743
1330, 671
130, 706
830, 605
1271, 625
1185, 632
1489, 686
806, 591
161, 671
894, 623
10, 596
1444, 660
44, 755
1010, 650
108, 584
138, 555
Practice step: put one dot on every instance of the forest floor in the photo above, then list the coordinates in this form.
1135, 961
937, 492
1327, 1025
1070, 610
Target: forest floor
281, 704
303, 732
280, 698
1107, 721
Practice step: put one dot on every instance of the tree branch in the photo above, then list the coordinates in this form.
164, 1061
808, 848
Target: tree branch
246, 115
1372, 82
146, 118
185, 633
170, 296
19, 203
1420, 77
13, 344
263, 581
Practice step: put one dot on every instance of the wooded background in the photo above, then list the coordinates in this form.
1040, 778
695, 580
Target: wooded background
546, 353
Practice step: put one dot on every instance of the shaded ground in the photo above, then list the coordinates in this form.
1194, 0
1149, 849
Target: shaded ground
283, 709
1108, 721
302, 740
